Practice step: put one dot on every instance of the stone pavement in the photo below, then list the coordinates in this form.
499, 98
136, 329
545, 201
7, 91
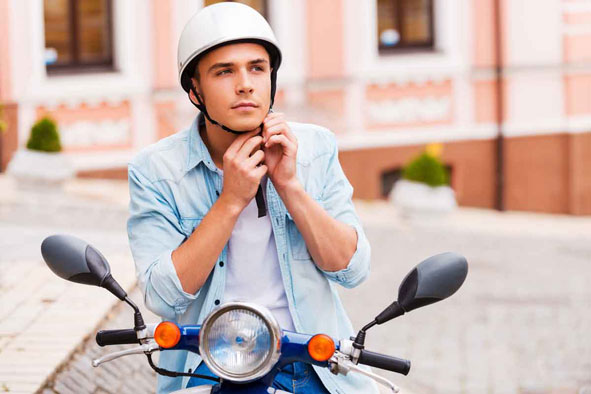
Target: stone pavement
43, 318
520, 323
127, 375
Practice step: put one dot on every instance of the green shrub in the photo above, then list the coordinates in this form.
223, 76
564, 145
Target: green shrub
44, 136
426, 169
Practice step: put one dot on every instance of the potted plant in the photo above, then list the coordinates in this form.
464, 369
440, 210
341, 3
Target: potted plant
41, 166
424, 188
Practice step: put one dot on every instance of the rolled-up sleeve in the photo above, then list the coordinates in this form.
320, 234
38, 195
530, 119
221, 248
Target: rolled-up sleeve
154, 233
337, 201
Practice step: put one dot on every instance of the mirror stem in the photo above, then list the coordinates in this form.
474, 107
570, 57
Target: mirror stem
391, 312
359, 342
137, 316
394, 310
111, 284
370, 325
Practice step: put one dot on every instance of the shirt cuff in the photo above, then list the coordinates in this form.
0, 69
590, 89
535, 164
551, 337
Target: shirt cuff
358, 268
167, 285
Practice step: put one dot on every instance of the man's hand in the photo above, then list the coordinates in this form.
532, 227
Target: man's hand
242, 172
280, 146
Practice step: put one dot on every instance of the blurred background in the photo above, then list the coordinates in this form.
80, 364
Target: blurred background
496, 92
504, 85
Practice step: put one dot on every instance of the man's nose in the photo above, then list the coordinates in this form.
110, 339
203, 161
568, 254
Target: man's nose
244, 83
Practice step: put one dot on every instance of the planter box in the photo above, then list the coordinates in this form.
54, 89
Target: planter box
420, 199
40, 171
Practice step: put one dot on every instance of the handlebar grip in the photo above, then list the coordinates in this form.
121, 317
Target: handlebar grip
383, 361
116, 337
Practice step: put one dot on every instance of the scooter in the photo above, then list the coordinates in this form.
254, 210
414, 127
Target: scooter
241, 342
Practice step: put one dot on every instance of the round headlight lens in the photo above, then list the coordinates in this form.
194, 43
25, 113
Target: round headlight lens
239, 342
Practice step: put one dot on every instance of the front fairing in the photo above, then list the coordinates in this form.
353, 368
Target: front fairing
205, 389
244, 390
294, 348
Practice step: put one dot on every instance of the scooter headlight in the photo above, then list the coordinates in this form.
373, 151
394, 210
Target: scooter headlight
240, 341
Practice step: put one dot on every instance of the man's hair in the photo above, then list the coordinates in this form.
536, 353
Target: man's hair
196, 74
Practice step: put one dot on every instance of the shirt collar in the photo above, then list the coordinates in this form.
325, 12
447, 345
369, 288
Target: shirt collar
197, 151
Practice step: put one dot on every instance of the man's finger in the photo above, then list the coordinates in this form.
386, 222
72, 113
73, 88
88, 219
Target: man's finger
251, 145
273, 115
260, 171
279, 128
270, 121
240, 141
256, 158
271, 131
289, 147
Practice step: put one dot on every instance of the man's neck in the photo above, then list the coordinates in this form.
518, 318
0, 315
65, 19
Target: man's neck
217, 141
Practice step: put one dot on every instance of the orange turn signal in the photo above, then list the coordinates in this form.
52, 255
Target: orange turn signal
321, 347
167, 334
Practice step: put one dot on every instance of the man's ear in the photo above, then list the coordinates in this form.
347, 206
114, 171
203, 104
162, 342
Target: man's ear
196, 89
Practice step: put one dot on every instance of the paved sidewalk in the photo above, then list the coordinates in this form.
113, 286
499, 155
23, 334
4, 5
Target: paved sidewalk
520, 324
43, 318
126, 375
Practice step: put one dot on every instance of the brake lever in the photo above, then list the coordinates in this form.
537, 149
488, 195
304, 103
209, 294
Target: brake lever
146, 348
340, 363
147, 334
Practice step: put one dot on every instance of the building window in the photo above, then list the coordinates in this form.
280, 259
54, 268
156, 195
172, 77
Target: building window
405, 24
388, 179
78, 35
259, 5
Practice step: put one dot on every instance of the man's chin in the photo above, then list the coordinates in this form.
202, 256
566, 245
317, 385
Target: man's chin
243, 124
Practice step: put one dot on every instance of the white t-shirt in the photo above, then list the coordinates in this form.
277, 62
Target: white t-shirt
253, 273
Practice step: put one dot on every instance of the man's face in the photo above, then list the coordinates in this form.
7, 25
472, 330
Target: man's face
235, 85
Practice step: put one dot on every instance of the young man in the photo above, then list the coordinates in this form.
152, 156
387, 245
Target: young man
244, 205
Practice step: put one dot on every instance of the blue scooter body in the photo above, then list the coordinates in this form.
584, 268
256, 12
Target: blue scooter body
294, 348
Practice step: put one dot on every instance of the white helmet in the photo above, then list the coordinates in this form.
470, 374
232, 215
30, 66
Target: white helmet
221, 24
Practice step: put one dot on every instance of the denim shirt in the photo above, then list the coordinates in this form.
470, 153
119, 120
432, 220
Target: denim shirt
173, 184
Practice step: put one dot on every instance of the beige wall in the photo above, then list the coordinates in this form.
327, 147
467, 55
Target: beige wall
383, 107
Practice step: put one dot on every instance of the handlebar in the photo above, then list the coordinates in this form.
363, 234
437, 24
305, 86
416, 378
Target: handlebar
383, 361
116, 337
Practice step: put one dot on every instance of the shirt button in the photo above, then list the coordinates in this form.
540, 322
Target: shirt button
221, 263
217, 302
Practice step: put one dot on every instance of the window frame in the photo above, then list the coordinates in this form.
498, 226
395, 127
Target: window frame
75, 66
405, 47
265, 5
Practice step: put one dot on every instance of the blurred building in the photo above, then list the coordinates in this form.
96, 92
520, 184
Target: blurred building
504, 85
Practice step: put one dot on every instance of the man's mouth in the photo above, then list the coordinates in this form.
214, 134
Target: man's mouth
244, 104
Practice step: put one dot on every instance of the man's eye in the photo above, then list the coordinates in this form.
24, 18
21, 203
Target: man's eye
258, 68
222, 72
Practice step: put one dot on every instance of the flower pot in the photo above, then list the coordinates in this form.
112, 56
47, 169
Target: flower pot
40, 171
420, 199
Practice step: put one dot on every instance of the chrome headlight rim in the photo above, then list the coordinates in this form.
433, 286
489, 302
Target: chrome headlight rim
274, 352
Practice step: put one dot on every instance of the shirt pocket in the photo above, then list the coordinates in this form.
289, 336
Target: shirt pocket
299, 251
188, 225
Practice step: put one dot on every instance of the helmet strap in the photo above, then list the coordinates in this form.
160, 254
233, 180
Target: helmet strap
260, 199
201, 107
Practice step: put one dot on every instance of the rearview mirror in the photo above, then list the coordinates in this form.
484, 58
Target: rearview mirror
435, 279
75, 260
